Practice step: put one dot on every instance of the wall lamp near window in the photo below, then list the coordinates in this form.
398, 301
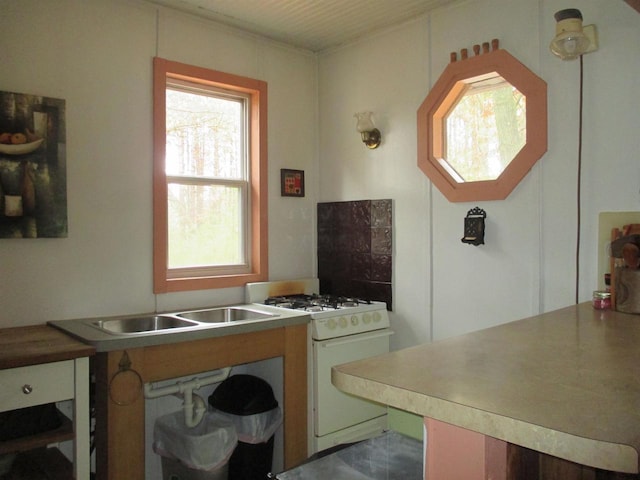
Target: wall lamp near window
572, 39
371, 136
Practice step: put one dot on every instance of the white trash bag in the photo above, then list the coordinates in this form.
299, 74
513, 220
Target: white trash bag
256, 428
207, 446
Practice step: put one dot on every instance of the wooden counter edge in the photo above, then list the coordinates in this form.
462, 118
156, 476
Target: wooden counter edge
35, 344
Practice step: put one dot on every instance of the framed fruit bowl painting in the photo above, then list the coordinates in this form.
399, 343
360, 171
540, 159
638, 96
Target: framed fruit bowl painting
33, 185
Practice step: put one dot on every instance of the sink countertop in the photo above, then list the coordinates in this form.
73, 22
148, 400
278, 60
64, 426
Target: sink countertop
82, 329
565, 383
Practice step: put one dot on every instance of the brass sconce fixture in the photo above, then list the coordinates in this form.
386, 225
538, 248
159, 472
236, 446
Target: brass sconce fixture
371, 136
572, 39
474, 227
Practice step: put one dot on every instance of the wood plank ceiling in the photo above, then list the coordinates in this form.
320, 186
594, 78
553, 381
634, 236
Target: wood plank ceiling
315, 25
311, 24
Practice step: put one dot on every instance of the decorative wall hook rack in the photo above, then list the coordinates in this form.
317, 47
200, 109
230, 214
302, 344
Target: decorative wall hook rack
474, 227
486, 48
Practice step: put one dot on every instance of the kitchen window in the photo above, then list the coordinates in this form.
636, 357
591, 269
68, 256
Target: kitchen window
210, 178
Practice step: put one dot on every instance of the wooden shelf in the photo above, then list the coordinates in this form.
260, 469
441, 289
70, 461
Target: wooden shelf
23, 444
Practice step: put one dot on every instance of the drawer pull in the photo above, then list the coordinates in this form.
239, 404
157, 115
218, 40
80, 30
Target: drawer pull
27, 389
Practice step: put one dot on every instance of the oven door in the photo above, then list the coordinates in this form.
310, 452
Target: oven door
333, 409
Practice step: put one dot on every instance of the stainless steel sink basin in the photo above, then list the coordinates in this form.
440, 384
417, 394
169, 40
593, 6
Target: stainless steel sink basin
143, 324
152, 328
225, 314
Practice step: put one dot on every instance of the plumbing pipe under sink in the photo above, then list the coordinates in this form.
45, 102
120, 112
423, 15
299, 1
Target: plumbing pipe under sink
194, 406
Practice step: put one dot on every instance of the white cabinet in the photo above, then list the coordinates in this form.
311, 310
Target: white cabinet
36, 384
40, 380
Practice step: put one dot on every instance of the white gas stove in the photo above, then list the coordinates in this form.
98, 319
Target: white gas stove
342, 329
332, 315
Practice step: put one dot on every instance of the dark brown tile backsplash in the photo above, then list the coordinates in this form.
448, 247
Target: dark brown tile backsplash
355, 247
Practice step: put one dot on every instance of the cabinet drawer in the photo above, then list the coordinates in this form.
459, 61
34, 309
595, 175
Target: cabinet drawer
36, 384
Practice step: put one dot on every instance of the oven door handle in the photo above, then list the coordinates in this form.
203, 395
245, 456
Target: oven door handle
357, 338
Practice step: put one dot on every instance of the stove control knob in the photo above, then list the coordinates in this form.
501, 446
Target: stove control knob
332, 324
377, 317
342, 322
354, 320
366, 318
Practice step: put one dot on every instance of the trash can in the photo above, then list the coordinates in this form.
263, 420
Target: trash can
249, 403
198, 453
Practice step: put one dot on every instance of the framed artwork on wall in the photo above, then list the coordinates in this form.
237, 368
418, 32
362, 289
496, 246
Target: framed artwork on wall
291, 183
33, 186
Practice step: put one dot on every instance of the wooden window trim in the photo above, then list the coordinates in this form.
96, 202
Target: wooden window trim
442, 98
257, 90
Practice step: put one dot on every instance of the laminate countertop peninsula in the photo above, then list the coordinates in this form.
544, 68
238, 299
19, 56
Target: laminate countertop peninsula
564, 383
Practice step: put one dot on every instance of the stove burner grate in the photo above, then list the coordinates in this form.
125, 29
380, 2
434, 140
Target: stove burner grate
315, 302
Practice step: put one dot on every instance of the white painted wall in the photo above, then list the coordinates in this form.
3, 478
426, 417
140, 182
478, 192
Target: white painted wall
97, 55
441, 286
387, 75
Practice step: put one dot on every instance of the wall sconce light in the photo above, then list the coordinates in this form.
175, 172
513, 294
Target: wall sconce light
572, 39
371, 136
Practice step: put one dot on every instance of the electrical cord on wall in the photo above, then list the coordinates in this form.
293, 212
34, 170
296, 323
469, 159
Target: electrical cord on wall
579, 181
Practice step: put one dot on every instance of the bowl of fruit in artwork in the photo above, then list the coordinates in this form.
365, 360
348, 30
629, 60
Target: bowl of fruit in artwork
19, 143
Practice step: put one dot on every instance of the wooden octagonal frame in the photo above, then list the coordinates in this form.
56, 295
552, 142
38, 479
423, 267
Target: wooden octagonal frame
442, 99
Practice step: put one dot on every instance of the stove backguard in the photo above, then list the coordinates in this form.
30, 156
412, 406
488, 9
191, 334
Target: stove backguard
355, 247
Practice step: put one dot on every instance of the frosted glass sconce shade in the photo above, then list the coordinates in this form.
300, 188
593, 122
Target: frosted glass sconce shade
572, 39
371, 136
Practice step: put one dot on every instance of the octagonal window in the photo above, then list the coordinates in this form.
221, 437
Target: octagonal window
488, 123
482, 127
